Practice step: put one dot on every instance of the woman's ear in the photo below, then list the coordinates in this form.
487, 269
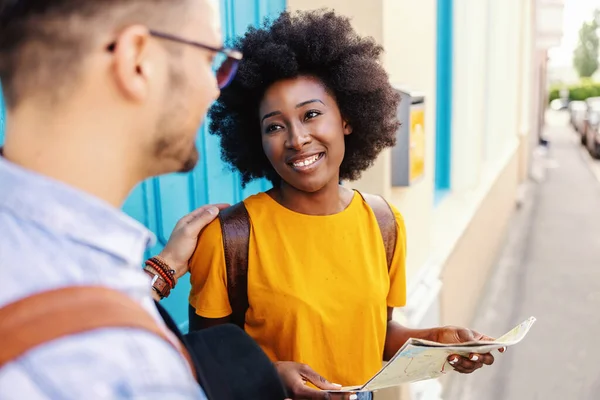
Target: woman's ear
347, 128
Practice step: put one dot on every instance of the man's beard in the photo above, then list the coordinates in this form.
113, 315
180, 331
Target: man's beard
173, 149
192, 160
172, 144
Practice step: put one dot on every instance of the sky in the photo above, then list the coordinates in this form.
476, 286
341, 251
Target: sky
576, 12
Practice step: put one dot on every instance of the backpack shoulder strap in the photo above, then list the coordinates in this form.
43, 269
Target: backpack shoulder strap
47, 316
386, 221
235, 228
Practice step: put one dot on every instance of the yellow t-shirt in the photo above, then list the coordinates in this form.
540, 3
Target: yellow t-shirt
318, 286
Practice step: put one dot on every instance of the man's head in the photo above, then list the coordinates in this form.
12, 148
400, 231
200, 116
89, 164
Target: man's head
96, 64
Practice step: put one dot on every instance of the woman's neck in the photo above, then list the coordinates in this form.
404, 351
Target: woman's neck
331, 199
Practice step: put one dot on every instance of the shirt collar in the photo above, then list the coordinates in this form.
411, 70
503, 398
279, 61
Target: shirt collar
67, 211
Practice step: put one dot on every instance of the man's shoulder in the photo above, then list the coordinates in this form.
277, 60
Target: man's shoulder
106, 363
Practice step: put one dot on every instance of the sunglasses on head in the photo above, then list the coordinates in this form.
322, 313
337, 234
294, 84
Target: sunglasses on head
228, 62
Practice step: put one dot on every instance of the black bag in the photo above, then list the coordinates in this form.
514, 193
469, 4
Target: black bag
229, 364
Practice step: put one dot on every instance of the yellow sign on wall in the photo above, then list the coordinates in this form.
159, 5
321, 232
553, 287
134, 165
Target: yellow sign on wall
417, 141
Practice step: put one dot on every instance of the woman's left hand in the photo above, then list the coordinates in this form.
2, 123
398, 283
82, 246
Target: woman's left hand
464, 365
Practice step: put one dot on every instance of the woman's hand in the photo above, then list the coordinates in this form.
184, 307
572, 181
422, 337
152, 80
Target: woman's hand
465, 365
295, 376
182, 243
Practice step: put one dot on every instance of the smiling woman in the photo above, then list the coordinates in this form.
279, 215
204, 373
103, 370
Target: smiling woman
343, 64
303, 133
311, 105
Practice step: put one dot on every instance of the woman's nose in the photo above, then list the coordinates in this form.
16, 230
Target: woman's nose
298, 138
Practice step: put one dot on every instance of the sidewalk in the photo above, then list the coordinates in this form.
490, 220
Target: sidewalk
549, 268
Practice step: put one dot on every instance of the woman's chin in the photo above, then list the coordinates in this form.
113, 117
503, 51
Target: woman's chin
312, 186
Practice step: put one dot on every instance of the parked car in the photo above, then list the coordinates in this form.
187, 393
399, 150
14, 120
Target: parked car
589, 118
592, 133
559, 104
577, 111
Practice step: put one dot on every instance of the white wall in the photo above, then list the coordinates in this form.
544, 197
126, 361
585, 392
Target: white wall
409, 34
470, 83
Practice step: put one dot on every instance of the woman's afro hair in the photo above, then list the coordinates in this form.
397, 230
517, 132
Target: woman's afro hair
314, 43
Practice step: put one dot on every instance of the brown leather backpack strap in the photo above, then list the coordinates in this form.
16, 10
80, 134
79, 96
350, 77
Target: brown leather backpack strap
386, 221
235, 227
47, 316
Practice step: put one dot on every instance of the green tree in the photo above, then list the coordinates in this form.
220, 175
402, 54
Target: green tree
585, 57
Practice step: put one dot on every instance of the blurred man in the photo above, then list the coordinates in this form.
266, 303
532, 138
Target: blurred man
101, 94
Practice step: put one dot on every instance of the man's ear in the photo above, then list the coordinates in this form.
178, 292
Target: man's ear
347, 128
132, 68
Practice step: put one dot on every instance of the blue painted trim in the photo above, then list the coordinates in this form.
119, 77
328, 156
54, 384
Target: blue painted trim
439, 195
444, 75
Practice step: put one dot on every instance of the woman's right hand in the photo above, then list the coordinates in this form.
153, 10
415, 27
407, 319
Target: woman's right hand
295, 376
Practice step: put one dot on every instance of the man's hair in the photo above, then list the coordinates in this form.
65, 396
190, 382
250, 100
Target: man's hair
320, 44
43, 43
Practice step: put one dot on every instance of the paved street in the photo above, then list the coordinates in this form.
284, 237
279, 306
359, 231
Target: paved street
549, 268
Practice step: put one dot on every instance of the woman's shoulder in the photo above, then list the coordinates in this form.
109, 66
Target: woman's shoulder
211, 233
368, 200
261, 199
211, 237
253, 205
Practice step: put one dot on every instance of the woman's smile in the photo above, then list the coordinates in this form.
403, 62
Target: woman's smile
306, 163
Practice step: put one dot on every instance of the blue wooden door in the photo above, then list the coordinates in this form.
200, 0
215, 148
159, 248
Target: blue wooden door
158, 203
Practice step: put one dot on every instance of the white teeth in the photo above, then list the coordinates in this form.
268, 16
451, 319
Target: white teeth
307, 161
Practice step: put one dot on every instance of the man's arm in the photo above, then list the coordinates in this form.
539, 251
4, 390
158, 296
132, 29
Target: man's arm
111, 363
182, 242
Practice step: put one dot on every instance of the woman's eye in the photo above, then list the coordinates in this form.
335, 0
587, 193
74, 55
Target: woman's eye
311, 114
272, 128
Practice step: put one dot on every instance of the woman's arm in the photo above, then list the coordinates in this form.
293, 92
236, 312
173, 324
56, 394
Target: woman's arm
197, 322
397, 335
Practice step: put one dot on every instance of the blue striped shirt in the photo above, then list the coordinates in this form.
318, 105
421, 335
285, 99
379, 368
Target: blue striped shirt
52, 236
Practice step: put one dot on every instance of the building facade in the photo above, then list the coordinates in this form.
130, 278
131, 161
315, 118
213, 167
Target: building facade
480, 67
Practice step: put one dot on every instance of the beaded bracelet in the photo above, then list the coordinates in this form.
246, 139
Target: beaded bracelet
163, 269
166, 277
163, 275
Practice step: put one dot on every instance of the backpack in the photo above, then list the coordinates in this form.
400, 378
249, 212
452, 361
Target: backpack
235, 227
225, 361
50, 315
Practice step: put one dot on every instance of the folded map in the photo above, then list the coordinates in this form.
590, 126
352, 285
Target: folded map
419, 359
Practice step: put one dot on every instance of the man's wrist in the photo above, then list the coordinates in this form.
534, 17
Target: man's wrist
179, 269
160, 287
151, 269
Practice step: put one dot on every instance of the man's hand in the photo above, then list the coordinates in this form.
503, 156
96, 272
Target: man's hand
295, 376
465, 365
183, 240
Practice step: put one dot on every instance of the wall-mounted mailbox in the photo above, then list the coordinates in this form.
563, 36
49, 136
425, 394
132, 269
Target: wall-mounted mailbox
408, 156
